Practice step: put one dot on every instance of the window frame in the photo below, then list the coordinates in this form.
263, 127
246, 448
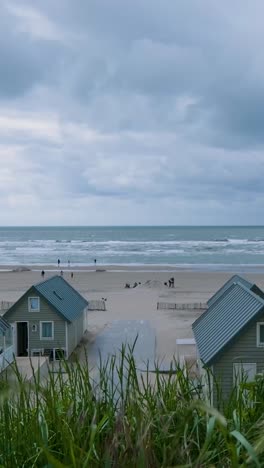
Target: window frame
29, 304
260, 344
45, 338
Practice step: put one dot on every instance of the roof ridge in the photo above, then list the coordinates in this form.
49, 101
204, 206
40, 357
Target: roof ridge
46, 280
216, 296
249, 291
235, 283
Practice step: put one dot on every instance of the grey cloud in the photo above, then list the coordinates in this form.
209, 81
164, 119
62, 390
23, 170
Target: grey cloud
149, 103
25, 62
151, 53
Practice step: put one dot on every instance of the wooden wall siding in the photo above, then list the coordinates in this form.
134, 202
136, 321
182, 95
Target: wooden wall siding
21, 314
71, 338
244, 349
75, 333
59, 336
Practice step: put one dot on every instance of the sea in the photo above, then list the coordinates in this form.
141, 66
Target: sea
239, 248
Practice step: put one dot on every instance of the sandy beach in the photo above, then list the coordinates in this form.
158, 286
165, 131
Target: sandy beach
139, 303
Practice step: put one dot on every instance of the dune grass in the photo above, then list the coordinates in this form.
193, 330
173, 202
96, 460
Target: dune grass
126, 419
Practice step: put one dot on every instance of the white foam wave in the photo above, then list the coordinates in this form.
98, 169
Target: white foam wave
239, 241
87, 243
113, 251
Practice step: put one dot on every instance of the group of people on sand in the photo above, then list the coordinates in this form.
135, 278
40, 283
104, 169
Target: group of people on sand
127, 285
170, 283
69, 264
59, 262
61, 273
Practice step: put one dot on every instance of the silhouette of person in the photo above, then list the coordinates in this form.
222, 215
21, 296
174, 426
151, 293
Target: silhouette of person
58, 262
43, 273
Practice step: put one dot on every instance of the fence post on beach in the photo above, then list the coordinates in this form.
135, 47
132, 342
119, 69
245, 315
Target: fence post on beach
181, 306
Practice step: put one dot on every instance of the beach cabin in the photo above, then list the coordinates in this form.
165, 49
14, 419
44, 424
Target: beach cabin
230, 337
48, 320
6, 344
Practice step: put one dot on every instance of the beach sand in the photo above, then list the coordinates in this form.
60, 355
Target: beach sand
139, 303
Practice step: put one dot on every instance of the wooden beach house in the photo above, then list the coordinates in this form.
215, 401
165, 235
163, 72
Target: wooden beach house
49, 319
230, 336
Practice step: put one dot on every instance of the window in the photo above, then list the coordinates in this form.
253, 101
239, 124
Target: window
245, 371
260, 334
46, 330
33, 304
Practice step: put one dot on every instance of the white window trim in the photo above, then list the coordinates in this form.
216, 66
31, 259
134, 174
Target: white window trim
29, 305
40, 330
259, 343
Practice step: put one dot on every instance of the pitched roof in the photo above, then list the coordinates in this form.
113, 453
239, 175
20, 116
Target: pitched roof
225, 319
4, 325
62, 296
233, 279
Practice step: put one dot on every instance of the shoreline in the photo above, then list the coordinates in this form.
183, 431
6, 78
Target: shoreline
137, 268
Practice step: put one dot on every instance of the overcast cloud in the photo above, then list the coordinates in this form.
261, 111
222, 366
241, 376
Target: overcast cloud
131, 112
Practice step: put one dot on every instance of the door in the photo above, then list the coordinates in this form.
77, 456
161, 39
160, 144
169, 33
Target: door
22, 338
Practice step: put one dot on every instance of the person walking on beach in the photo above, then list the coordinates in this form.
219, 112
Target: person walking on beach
69, 263
95, 262
58, 263
43, 273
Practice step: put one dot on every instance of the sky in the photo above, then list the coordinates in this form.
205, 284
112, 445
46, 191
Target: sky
129, 112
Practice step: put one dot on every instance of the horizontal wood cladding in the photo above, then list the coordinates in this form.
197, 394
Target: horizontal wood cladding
20, 313
243, 349
75, 333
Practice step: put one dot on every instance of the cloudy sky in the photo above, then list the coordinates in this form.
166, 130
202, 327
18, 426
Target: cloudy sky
131, 112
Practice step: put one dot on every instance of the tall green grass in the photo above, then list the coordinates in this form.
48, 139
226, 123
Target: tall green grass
120, 417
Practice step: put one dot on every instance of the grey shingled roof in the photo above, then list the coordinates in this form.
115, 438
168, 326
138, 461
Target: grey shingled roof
225, 319
233, 279
62, 296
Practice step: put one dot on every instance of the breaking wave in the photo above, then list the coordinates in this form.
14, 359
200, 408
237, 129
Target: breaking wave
168, 245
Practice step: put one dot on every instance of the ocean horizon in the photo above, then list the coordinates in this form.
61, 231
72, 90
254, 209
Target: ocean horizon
196, 247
